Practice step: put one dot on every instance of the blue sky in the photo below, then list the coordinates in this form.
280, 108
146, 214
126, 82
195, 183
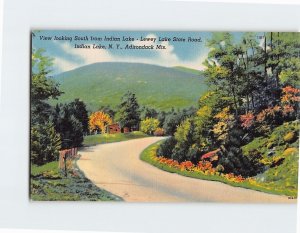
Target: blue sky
66, 57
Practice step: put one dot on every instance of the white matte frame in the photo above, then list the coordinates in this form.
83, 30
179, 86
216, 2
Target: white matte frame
16, 211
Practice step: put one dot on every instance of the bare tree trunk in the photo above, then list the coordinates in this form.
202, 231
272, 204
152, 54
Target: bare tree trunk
248, 103
234, 101
265, 60
252, 100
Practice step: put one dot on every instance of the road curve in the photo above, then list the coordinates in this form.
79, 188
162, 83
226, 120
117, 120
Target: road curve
117, 168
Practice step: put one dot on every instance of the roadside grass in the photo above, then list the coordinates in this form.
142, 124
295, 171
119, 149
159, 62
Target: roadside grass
48, 183
149, 155
92, 140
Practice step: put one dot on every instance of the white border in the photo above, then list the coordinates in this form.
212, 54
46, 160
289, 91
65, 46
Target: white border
271, 2
15, 209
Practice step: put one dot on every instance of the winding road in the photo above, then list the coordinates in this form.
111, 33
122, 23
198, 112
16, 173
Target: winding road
117, 168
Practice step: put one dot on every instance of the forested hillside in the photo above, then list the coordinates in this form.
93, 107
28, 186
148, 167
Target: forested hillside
247, 123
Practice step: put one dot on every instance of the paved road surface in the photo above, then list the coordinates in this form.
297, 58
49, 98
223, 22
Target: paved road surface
116, 167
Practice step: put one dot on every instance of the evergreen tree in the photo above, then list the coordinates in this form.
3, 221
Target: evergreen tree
44, 140
44, 143
68, 126
129, 112
78, 110
42, 87
147, 112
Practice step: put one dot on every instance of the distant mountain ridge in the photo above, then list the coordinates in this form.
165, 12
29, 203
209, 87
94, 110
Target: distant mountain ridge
102, 84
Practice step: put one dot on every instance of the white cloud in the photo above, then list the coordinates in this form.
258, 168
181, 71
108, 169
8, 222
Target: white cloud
196, 63
64, 65
88, 56
165, 57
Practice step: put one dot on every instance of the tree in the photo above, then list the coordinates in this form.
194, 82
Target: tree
68, 126
185, 148
149, 125
171, 120
225, 122
129, 112
42, 87
78, 110
147, 112
232, 158
44, 140
44, 144
98, 121
224, 70
108, 110
166, 147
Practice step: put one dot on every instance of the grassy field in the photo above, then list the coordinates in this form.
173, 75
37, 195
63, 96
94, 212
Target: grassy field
149, 154
103, 84
49, 184
92, 140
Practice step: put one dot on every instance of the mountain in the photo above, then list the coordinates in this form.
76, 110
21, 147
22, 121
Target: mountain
189, 70
102, 84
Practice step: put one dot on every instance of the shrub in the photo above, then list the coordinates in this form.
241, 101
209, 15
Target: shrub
193, 154
233, 160
184, 136
289, 137
247, 120
179, 153
45, 144
166, 147
149, 125
290, 151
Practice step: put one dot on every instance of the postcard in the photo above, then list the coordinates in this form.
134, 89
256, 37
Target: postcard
164, 116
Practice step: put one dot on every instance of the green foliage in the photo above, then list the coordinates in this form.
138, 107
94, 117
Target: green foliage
172, 119
147, 112
149, 125
42, 88
183, 131
108, 110
248, 112
44, 144
210, 104
129, 113
78, 110
223, 66
68, 126
44, 140
269, 149
166, 147
232, 158
283, 177
185, 148
48, 184
291, 74
279, 156
156, 87
149, 155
